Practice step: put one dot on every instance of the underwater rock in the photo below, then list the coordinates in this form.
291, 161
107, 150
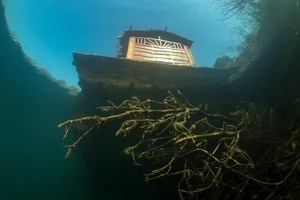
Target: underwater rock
224, 62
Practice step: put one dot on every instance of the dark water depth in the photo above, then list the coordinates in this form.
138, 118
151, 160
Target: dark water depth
32, 165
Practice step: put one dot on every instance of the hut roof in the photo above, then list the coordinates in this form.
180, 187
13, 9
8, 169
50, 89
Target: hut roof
152, 34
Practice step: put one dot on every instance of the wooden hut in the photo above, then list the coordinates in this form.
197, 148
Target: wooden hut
156, 46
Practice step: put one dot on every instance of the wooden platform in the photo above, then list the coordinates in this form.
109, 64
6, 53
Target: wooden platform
97, 71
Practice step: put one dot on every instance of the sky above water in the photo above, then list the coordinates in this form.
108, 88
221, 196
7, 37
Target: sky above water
50, 30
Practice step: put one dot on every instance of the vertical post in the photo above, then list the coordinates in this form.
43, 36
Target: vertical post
159, 41
130, 50
189, 55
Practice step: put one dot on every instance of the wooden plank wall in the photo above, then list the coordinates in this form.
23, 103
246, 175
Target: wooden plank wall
158, 50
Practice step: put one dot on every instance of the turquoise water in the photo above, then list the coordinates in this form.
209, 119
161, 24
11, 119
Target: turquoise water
32, 165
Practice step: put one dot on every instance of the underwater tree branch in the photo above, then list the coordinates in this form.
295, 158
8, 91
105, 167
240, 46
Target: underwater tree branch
194, 142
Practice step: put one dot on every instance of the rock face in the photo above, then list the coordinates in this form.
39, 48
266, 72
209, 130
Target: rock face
276, 61
96, 71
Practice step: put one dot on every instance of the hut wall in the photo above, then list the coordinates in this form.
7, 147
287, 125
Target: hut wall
158, 50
